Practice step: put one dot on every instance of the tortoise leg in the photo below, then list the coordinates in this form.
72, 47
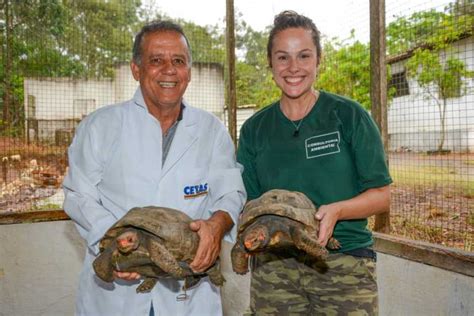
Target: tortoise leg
191, 281
239, 257
103, 265
147, 285
308, 244
215, 275
333, 243
165, 260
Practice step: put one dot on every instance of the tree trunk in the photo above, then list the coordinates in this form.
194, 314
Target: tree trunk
442, 114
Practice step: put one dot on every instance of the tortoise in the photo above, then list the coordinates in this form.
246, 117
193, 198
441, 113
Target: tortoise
279, 219
155, 242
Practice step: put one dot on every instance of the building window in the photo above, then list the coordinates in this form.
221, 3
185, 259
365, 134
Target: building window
31, 113
399, 83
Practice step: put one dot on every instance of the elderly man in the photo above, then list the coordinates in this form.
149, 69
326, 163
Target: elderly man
147, 151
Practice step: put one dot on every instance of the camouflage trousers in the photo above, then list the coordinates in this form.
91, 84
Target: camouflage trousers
342, 285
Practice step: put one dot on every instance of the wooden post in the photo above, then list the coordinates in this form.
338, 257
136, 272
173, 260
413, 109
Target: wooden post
378, 85
7, 65
231, 90
5, 170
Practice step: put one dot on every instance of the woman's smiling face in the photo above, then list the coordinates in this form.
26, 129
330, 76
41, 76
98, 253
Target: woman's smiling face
294, 62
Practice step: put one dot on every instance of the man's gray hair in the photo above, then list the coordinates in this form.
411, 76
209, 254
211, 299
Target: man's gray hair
152, 27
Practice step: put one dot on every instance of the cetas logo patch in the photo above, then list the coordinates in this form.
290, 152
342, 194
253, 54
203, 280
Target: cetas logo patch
193, 191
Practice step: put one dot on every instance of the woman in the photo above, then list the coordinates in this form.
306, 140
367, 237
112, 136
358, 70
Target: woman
329, 148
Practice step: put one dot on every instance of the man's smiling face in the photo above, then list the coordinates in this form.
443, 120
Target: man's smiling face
165, 69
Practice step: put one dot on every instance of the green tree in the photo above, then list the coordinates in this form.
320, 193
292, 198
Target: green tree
405, 33
54, 38
29, 46
99, 34
207, 42
345, 70
254, 80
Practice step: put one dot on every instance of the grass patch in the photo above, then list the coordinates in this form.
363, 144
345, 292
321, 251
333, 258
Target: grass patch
469, 162
421, 231
434, 177
470, 218
46, 207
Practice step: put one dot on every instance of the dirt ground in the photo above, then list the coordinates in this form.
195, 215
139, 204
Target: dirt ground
436, 211
29, 173
440, 212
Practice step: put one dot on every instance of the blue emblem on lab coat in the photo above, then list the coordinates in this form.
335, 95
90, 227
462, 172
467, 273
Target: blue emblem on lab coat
192, 191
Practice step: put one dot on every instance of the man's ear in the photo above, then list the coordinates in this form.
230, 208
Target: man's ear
135, 70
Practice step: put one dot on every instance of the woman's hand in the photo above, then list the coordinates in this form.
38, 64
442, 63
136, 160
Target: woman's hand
328, 215
370, 202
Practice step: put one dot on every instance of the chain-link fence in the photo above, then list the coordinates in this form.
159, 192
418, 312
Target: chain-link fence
62, 60
431, 123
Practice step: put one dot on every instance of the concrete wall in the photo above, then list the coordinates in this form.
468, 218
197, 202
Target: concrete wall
411, 288
206, 89
39, 268
40, 264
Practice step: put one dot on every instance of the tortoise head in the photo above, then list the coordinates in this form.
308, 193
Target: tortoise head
256, 237
128, 241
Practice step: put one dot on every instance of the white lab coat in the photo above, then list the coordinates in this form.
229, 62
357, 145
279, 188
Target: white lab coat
115, 165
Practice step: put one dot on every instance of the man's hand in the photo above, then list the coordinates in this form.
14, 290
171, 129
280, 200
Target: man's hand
210, 233
129, 276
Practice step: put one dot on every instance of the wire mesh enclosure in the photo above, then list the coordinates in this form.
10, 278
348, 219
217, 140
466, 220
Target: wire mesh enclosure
61, 60
431, 123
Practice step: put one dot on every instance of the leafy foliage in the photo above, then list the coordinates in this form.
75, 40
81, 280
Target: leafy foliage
345, 70
105, 32
254, 81
53, 38
87, 39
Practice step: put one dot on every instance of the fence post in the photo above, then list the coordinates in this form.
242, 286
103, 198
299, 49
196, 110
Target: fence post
7, 66
231, 90
378, 87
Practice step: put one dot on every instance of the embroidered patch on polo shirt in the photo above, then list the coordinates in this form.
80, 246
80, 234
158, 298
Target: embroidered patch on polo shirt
322, 145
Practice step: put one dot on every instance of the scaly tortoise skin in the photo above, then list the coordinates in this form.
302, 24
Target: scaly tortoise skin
278, 219
156, 242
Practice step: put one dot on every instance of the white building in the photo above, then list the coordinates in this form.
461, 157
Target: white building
414, 117
54, 106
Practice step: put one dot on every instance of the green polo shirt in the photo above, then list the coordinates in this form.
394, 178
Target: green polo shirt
337, 154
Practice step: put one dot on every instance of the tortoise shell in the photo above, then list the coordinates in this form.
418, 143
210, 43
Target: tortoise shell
171, 225
291, 204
